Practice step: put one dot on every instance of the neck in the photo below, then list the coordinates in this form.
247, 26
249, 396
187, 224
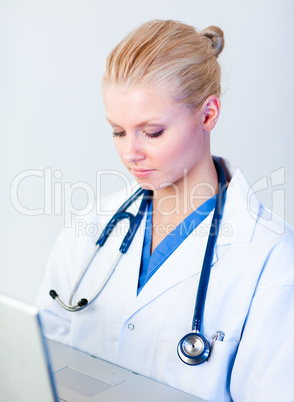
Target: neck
187, 194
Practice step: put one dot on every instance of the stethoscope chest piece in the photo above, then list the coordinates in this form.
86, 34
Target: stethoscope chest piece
193, 349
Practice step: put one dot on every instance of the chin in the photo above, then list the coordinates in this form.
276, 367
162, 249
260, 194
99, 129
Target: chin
147, 186
152, 186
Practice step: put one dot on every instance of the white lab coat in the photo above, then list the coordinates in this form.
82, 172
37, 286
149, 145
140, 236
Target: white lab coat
250, 298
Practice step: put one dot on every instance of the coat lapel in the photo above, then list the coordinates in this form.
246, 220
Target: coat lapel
183, 263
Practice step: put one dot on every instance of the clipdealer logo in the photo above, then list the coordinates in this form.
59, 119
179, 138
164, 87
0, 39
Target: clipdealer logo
277, 191
58, 196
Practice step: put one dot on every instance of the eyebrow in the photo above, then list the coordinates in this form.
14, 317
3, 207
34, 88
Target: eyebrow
143, 123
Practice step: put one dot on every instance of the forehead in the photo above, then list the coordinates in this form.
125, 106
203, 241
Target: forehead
138, 103
135, 94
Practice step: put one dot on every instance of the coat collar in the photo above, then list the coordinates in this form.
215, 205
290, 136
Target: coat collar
241, 207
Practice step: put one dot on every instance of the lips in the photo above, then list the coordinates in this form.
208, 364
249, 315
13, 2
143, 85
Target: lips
138, 172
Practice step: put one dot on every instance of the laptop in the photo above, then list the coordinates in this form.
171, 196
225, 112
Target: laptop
33, 368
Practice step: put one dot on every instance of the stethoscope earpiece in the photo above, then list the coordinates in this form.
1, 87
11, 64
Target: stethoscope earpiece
193, 349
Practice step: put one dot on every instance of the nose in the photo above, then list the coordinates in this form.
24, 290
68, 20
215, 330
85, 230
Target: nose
133, 150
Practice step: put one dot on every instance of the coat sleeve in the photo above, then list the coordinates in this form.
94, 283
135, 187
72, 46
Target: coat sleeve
263, 369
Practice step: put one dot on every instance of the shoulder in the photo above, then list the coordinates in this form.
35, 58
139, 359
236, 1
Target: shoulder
271, 223
87, 227
76, 242
273, 234
264, 238
276, 237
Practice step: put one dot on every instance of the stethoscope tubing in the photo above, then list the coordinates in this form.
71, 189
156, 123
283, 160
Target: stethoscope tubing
134, 223
209, 252
118, 216
194, 349
83, 272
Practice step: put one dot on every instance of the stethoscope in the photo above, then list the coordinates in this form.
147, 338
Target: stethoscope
193, 348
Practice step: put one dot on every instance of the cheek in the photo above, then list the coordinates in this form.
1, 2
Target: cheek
179, 150
183, 154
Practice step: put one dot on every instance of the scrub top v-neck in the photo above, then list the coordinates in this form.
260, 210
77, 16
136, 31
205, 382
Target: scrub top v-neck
150, 263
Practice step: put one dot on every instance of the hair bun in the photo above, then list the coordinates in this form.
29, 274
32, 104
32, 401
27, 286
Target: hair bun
216, 35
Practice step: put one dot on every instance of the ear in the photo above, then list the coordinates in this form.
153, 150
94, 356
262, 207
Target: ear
210, 112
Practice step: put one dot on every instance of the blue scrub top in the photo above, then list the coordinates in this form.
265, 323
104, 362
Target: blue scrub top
151, 263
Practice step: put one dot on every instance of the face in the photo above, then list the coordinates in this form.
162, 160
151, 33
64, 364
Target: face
158, 141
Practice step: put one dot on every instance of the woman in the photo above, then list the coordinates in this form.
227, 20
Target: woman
161, 92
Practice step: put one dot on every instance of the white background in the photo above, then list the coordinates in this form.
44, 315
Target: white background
52, 55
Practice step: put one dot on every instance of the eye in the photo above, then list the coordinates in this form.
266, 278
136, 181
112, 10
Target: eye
118, 134
154, 135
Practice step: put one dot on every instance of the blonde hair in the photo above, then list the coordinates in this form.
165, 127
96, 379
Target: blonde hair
169, 53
